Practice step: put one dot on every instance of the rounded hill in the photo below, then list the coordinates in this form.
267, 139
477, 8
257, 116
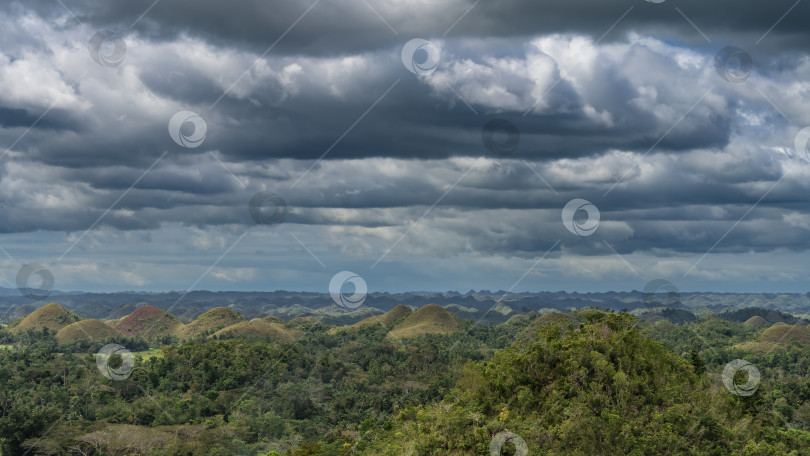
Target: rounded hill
86, 329
52, 316
210, 322
148, 322
756, 322
430, 319
260, 330
786, 335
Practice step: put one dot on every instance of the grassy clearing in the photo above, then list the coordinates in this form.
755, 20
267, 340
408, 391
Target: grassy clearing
153, 353
146, 354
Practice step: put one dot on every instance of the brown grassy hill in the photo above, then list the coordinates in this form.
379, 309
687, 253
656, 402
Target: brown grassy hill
210, 322
261, 330
430, 319
756, 322
388, 319
112, 323
776, 338
148, 322
85, 329
786, 334
51, 316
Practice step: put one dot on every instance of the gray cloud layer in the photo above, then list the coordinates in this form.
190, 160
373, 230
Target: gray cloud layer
678, 160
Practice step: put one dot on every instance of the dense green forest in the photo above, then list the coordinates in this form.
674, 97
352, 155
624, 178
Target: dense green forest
582, 383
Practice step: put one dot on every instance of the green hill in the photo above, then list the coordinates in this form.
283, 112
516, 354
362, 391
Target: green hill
86, 329
210, 322
52, 316
259, 329
592, 384
149, 322
430, 319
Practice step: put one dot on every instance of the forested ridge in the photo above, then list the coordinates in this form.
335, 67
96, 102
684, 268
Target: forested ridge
581, 383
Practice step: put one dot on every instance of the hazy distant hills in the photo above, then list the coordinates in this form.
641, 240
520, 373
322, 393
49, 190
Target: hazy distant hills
487, 307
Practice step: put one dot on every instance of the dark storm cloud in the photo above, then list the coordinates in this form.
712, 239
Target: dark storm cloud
258, 24
409, 120
57, 119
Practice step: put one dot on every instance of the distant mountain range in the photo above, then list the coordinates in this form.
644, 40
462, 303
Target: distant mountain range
483, 306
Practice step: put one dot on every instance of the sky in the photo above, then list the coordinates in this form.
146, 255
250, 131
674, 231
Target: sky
421, 145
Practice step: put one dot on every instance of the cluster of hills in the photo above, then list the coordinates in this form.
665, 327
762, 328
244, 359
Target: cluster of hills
772, 328
486, 307
150, 322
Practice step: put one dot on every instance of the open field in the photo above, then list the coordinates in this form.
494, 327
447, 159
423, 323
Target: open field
153, 353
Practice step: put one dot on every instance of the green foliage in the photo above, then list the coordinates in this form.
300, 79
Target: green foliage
586, 383
592, 384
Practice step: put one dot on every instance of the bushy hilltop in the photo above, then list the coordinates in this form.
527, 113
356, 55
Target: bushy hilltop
582, 384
